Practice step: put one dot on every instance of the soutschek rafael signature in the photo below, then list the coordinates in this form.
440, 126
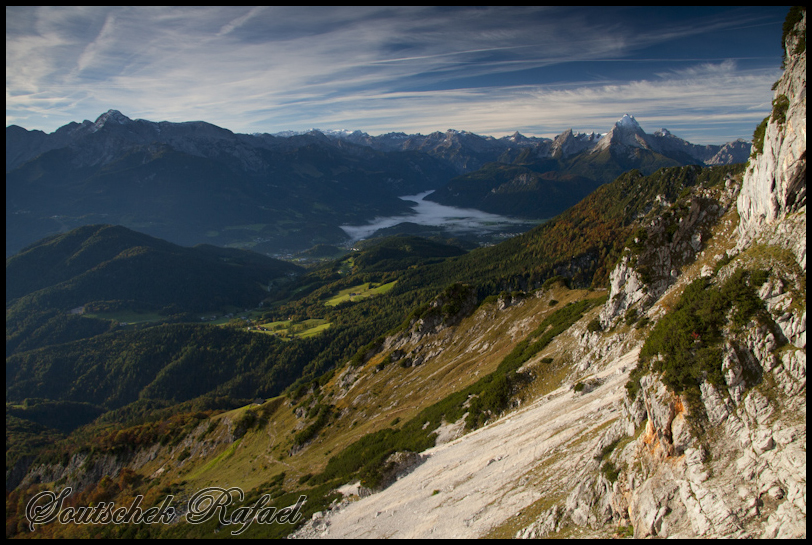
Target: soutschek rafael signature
46, 507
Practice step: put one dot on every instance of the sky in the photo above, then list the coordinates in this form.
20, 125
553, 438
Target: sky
703, 73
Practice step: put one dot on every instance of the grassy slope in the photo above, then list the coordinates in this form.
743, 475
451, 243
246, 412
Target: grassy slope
375, 399
361, 291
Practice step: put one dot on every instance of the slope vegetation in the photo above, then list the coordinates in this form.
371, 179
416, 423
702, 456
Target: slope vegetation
111, 263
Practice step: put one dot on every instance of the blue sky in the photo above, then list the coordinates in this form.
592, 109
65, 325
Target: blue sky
703, 73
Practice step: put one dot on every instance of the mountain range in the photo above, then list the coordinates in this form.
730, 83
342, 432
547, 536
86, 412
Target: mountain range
633, 367
194, 182
626, 132
539, 177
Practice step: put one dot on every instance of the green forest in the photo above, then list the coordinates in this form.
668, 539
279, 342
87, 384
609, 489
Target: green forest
126, 373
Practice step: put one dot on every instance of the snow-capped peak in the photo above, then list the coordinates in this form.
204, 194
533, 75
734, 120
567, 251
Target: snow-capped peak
663, 132
626, 132
337, 133
628, 121
341, 133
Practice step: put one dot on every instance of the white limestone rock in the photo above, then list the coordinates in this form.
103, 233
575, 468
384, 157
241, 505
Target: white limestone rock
775, 183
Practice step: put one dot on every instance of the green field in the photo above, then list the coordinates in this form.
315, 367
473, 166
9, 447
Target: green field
361, 291
287, 329
346, 266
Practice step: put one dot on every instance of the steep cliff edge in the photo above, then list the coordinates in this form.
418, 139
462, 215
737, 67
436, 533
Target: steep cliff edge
733, 461
775, 183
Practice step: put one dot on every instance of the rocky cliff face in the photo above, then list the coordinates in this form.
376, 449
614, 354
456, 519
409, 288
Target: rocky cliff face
670, 237
743, 472
775, 183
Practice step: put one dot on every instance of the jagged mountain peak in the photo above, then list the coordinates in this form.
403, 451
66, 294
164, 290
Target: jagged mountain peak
519, 139
626, 132
113, 116
570, 143
628, 122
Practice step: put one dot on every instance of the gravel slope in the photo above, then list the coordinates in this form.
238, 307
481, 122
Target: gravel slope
468, 486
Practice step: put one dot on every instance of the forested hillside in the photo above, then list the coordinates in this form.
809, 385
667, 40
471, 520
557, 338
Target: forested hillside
62, 357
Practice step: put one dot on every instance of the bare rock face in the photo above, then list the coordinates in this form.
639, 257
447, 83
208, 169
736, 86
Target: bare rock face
398, 465
549, 522
662, 408
738, 469
626, 288
775, 184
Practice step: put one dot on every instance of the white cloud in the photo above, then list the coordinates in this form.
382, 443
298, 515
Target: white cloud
96, 47
377, 69
240, 21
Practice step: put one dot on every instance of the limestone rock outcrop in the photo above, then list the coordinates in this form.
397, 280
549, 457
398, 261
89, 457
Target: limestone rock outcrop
775, 183
731, 463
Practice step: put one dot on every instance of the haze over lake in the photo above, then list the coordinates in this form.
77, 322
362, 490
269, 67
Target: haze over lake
450, 218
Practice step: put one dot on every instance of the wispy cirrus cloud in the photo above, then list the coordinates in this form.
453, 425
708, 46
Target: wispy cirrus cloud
490, 71
688, 106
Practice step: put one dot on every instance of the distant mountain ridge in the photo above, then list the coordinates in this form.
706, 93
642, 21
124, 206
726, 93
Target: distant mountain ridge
540, 177
548, 176
194, 182
625, 132
207, 140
